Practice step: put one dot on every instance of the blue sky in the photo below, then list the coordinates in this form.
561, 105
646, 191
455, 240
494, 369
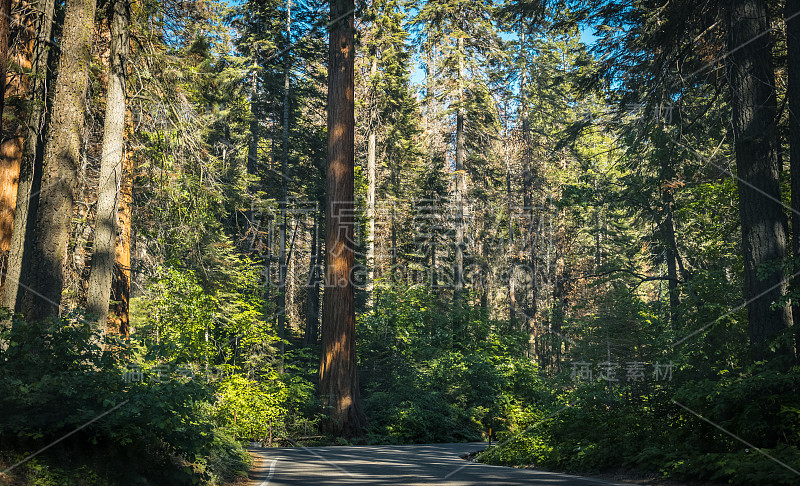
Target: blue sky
587, 37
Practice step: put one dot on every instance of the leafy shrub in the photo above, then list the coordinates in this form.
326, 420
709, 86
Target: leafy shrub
248, 408
435, 376
53, 382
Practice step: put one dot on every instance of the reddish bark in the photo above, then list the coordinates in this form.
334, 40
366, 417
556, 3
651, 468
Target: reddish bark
338, 374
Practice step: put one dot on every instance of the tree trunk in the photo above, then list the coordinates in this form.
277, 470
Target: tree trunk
105, 233
5, 37
394, 195
284, 193
752, 81
12, 133
429, 118
252, 230
667, 228
458, 277
121, 285
61, 163
371, 180
528, 250
30, 173
252, 148
793, 95
512, 291
312, 300
668, 236
338, 380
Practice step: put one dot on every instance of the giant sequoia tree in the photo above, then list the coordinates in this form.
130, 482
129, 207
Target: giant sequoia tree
338, 376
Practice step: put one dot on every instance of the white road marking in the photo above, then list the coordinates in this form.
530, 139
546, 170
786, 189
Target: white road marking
271, 472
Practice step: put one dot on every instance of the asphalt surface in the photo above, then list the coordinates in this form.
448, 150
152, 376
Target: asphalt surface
407, 465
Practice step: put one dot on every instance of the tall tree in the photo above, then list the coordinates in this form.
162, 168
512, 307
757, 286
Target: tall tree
30, 171
60, 167
792, 15
111, 174
14, 87
465, 35
753, 100
372, 174
284, 202
338, 376
121, 285
461, 180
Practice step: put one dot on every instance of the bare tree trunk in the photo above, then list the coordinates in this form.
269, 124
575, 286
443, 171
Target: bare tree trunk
752, 81
395, 191
458, 277
284, 192
371, 180
528, 249
30, 173
668, 236
102, 272
312, 300
512, 291
429, 118
338, 376
61, 163
291, 263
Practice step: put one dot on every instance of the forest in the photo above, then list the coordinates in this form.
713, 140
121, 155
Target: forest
571, 227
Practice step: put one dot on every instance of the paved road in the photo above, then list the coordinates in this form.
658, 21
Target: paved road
407, 465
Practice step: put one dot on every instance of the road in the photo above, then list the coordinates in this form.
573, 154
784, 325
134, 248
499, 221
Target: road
407, 465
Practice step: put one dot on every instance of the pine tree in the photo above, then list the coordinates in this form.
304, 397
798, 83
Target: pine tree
465, 35
30, 171
59, 175
754, 106
111, 173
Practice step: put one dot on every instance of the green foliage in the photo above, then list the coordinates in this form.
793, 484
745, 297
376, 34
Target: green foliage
249, 408
223, 329
431, 376
184, 321
641, 428
53, 381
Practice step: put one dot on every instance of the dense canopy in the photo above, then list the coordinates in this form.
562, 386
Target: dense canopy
570, 227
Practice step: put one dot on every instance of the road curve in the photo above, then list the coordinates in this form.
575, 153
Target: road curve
407, 465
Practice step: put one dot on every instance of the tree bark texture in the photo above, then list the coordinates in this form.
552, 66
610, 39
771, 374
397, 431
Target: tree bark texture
312, 299
14, 87
371, 180
339, 388
753, 102
121, 285
60, 166
105, 233
5, 38
30, 172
